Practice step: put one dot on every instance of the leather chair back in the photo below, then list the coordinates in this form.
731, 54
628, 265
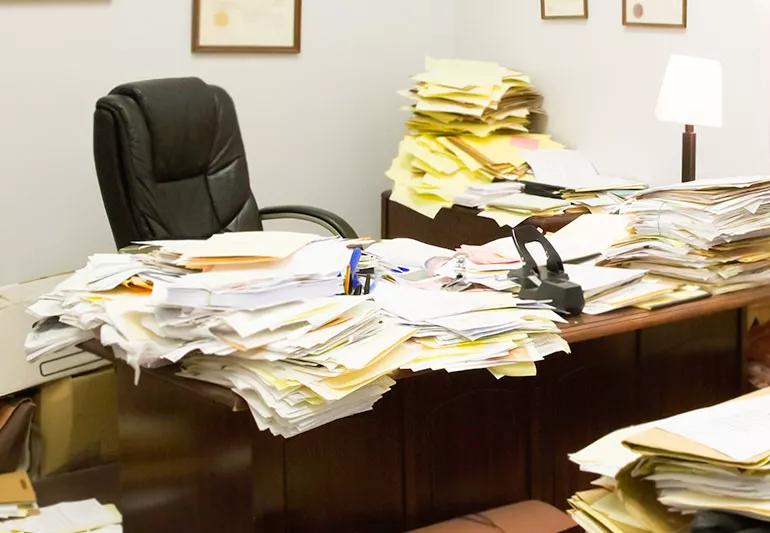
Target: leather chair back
170, 162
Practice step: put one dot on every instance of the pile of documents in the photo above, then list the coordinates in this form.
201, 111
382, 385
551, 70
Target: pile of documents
560, 181
476, 97
579, 244
514, 209
711, 233
568, 174
265, 314
485, 193
469, 127
433, 172
469, 130
306, 363
470, 330
69, 517
655, 476
19, 511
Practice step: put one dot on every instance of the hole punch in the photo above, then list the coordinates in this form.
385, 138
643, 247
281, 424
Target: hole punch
549, 282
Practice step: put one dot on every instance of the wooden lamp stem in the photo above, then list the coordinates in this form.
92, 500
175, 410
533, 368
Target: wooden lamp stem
688, 153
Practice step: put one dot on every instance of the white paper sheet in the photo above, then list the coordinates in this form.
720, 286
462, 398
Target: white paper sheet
739, 429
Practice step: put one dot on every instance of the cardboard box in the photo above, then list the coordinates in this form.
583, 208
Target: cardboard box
78, 422
16, 488
17, 374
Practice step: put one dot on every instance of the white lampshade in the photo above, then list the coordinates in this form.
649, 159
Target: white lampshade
691, 92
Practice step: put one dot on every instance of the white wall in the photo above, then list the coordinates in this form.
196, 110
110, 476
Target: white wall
320, 128
601, 80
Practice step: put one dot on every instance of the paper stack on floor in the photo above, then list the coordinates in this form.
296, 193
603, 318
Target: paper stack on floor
267, 319
716, 458
69, 517
655, 476
458, 96
712, 233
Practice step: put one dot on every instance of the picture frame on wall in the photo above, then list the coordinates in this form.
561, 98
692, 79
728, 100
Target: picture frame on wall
655, 13
564, 9
248, 26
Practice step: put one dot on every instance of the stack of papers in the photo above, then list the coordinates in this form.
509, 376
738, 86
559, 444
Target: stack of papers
315, 270
606, 509
277, 329
248, 247
69, 517
569, 175
458, 96
433, 172
405, 254
514, 209
710, 233
471, 330
486, 193
308, 363
717, 458
469, 127
655, 476
605, 288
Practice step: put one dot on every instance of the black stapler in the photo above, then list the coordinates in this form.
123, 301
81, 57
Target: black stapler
548, 282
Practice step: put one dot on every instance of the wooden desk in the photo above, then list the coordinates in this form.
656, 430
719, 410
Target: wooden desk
452, 227
437, 445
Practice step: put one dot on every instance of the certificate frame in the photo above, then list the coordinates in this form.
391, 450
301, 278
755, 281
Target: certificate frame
629, 18
293, 48
581, 13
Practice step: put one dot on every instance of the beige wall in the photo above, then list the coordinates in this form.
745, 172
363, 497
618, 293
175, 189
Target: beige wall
601, 80
320, 128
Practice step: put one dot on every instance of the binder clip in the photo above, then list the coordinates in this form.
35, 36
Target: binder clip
544, 283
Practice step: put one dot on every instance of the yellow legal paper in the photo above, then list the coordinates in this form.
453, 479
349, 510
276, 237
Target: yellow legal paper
514, 370
504, 218
425, 204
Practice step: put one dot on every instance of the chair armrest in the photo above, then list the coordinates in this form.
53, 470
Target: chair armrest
332, 222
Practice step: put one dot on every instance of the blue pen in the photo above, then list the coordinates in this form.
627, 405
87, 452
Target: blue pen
355, 257
400, 270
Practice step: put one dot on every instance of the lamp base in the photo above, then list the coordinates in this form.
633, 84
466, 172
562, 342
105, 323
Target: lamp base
688, 154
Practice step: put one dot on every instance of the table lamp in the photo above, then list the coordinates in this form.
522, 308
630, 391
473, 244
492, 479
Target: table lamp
691, 94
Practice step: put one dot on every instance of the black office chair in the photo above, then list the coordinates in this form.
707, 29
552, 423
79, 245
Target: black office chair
171, 165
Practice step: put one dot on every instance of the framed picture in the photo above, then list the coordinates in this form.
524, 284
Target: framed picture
564, 9
247, 26
661, 13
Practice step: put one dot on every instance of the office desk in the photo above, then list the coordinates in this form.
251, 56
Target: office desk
452, 226
437, 445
